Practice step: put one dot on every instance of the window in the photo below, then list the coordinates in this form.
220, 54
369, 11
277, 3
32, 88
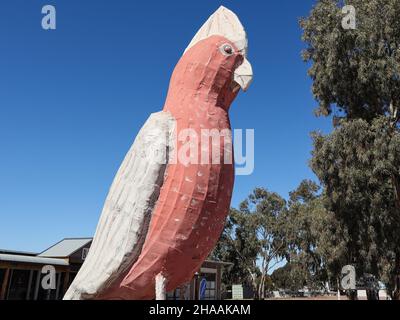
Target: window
181, 293
19, 282
2, 274
85, 252
211, 286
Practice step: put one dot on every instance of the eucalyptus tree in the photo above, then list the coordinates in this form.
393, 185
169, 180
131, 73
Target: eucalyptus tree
317, 242
255, 239
356, 164
356, 77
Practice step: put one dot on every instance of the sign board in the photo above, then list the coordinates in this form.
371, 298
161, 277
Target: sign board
203, 287
85, 252
237, 292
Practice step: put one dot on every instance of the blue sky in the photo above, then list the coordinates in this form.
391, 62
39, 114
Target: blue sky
73, 99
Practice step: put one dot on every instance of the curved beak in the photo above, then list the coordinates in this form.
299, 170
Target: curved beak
243, 75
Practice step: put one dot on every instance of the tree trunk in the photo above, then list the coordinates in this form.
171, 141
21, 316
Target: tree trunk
396, 185
338, 288
396, 293
255, 287
352, 295
261, 288
372, 294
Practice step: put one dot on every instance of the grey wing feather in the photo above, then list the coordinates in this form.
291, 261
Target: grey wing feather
126, 215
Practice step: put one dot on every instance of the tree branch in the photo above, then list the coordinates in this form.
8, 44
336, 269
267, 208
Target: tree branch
278, 261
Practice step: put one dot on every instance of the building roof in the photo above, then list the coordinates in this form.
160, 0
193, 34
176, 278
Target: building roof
62, 249
20, 253
65, 247
220, 262
30, 259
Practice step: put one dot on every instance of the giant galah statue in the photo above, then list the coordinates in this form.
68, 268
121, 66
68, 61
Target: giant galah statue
161, 219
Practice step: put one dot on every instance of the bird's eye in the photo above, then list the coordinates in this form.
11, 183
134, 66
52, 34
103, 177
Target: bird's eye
226, 49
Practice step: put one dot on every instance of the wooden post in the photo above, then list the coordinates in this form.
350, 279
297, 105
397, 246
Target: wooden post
182, 290
66, 281
58, 285
37, 284
5, 285
218, 282
196, 286
29, 285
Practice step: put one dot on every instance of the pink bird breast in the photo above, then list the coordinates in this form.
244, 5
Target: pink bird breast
190, 213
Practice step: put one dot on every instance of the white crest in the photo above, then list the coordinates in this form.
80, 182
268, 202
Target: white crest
225, 23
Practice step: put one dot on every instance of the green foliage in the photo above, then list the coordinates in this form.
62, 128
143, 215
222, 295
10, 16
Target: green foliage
356, 217
357, 70
290, 277
317, 243
356, 164
254, 239
237, 245
267, 229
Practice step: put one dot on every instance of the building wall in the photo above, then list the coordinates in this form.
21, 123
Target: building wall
20, 281
209, 271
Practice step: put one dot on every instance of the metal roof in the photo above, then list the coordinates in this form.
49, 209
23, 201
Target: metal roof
65, 247
21, 253
220, 262
30, 259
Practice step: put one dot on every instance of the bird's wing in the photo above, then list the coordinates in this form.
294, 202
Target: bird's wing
124, 222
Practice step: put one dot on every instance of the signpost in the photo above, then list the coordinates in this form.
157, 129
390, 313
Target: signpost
237, 292
202, 289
